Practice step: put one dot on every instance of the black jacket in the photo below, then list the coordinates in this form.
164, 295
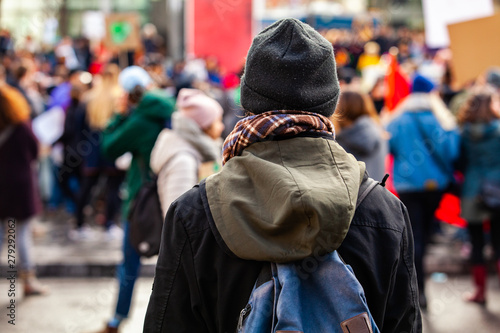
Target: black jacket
201, 286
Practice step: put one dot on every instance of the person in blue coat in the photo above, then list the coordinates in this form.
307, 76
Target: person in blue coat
480, 133
425, 143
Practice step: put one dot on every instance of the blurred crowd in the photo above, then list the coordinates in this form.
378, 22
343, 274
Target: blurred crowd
102, 117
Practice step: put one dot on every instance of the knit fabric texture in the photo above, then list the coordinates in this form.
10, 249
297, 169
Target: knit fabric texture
273, 124
194, 104
290, 66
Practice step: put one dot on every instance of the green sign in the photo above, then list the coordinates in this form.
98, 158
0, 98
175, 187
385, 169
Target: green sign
120, 31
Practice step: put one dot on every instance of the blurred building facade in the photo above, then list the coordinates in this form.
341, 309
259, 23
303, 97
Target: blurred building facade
42, 18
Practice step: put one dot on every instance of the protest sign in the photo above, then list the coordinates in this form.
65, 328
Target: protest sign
439, 13
475, 47
122, 31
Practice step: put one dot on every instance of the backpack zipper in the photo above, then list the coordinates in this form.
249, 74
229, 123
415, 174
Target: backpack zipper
243, 315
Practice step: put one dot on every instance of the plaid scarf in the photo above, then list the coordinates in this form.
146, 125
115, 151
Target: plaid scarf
268, 125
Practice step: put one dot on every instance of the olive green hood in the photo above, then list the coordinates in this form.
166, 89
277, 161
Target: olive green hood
285, 200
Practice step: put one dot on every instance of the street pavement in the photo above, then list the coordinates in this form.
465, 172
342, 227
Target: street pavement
74, 305
77, 305
80, 275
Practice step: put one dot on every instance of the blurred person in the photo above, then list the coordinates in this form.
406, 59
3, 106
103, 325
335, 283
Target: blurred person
66, 53
17, 79
61, 94
30, 45
213, 71
285, 185
152, 41
233, 112
142, 113
347, 77
101, 57
479, 120
68, 175
83, 53
65, 155
493, 78
425, 143
19, 194
417, 46
370, 56
377, 94
447, 90
6, 43
180, 77
101, 102
180, 153
154, 67
359, 132
196, 69
404, 53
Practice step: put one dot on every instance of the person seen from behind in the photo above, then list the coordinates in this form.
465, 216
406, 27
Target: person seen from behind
99, 107
142, 114
190, 150
285, 186
19, 199
479, 120
424, 141
359, 132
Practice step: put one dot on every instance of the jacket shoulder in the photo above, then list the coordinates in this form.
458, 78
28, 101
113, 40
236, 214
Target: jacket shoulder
380, 209
190, 209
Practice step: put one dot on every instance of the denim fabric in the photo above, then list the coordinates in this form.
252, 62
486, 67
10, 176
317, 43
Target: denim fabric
127, 275
316, 294
22, 232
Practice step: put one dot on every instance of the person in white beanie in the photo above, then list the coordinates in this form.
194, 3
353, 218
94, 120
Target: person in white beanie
191, 149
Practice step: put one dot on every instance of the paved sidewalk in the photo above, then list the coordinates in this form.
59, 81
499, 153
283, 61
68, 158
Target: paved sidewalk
77, 305
56, 255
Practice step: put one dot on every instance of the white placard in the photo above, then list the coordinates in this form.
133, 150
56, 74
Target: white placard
439, 13
49, 126
94, 25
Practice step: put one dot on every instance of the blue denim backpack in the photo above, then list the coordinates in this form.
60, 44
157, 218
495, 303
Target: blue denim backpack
319, 294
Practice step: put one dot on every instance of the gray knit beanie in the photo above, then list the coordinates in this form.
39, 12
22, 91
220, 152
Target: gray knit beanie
290, 66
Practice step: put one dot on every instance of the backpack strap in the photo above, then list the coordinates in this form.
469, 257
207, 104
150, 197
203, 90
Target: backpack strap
366, 187
265, 275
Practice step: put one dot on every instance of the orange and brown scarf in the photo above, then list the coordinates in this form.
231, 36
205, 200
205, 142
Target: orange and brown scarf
273, 124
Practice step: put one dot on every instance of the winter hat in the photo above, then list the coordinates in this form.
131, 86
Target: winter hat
290, 66
493, 77
134, 76
194, 104
422, 84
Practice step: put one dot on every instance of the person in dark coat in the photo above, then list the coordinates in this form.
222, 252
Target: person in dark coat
19, 200
98, 108
286, 192
479, 120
